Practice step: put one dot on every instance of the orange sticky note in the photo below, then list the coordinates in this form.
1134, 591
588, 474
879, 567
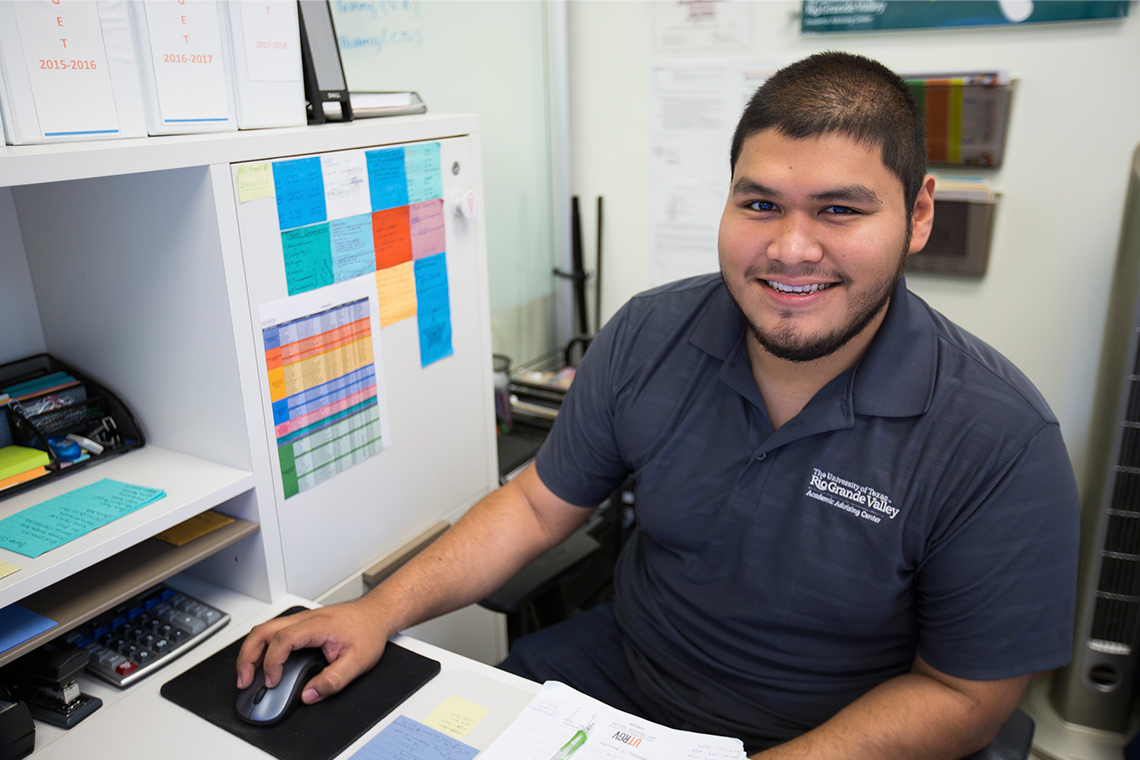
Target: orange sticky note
396, 293
391, 237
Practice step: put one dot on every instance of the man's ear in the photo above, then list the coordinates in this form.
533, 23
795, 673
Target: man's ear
922, 216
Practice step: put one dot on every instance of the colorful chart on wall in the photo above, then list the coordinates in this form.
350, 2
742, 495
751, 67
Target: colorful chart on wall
371, 212
326, 381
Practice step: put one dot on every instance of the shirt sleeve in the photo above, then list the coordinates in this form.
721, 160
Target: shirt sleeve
580, 461
997, 588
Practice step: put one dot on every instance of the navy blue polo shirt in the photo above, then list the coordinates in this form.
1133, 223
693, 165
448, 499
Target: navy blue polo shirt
922, 502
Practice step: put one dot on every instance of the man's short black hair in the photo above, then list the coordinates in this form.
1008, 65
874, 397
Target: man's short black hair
841, 93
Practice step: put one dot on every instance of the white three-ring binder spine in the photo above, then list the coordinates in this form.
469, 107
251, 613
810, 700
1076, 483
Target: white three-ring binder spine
264, 45
68, 71
186, 77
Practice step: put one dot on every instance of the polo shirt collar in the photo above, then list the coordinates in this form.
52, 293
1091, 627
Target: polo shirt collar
895, 378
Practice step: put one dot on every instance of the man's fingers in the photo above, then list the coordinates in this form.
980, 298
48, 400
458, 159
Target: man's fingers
270, 643
253, 649
340, 672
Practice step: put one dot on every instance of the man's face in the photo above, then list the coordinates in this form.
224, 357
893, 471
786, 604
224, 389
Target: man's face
813, 240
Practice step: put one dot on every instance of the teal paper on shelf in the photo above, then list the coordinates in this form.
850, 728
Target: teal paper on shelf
68, 516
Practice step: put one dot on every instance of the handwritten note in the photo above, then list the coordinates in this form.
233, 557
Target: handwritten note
18, 624
421, 163
456, 716
56, 521
406, 739
396, 293
433, 308
352, 254
346, 184
300, 192
255, 181
425, 219
391, 238
387, 182
308, 258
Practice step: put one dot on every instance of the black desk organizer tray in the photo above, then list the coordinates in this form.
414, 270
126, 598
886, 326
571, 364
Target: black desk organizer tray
78, 407
312, 732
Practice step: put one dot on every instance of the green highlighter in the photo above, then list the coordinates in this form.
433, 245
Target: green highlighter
576, 741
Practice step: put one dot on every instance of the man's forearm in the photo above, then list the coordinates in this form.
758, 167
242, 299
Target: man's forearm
910, 716
498, 537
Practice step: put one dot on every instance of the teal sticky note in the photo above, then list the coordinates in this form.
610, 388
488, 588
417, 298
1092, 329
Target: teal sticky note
308, 258
300, 189
421, 164
54, 522
18, 624
387, 184
352, 247
433, 309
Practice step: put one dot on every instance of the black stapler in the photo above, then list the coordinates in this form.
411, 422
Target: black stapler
45, 679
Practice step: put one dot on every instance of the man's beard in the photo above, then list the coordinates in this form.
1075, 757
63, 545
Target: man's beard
784, 343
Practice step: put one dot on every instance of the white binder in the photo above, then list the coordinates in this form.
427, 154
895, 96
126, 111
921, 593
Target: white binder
68, 71
264, 44
187, 85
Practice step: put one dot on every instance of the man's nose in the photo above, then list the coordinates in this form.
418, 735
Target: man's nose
794, 241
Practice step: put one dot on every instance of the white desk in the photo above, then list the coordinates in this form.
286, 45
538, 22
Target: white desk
139, 724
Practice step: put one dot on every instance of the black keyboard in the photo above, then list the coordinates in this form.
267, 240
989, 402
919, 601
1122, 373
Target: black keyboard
144, 633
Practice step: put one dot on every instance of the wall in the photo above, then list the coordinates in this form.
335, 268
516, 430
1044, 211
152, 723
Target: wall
488, 58
19, 317
1075, 123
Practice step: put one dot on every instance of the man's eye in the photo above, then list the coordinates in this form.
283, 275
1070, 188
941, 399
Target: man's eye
762, 206
840, 210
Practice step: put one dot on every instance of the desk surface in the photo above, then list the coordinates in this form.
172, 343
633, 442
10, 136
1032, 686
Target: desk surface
139, 724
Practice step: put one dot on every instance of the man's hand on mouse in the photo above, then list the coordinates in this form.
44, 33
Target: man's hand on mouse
347, 634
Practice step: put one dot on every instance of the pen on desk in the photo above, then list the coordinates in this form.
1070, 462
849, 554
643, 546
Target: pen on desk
576, 741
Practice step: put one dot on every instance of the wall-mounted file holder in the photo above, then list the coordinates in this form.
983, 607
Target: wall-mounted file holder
967, 117
66, 401
959, 243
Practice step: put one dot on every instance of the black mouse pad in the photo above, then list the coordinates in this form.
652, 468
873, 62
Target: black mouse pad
312, 732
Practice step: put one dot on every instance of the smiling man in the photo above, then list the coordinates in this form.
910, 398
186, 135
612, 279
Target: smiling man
857, 523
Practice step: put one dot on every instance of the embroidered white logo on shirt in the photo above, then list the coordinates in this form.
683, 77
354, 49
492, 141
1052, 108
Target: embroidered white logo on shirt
850, 497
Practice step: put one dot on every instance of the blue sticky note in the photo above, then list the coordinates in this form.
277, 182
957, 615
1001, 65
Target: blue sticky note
406, 739
352, 247
300, 192
54, 522
433, 309
387, 183
421, 163
308, 258
18, 624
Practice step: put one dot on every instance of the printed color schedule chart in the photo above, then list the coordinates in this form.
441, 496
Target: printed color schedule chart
324, 393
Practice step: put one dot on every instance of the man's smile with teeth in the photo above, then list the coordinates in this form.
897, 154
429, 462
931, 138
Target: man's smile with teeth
779, 287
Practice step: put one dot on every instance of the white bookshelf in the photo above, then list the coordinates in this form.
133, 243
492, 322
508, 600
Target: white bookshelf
130, 258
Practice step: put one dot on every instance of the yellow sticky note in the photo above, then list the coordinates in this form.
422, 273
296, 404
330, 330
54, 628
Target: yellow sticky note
456, 717
396, 293
6, 569
255, 181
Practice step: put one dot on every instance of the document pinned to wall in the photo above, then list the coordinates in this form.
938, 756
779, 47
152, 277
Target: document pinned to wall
683, 25
324, 364
693, 111
368, 212
558, 712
